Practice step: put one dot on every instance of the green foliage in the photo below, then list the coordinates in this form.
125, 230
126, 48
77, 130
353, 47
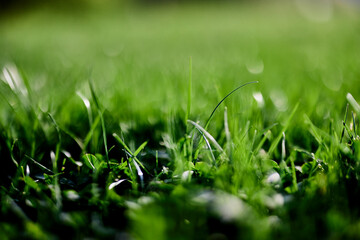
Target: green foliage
129, 150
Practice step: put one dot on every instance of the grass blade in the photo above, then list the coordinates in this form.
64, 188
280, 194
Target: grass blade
354, 124
127, 149
88, 107
100, 112
283, 150
211, 115
121, 142
313, 130
227, 132
278, 138
142, 146
261, 143
353, 102
139, 173
105, 139
189, 91
38, 164
114, 184
93, 95
207, 144
208, 135
344, 122
91, 132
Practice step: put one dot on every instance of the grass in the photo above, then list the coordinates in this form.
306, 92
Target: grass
105, 128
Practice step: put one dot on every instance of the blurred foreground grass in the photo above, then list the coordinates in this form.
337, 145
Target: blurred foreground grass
279, 167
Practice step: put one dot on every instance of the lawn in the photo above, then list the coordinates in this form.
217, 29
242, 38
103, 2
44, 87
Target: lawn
115, 122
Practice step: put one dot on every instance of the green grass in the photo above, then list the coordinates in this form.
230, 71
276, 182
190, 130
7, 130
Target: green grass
105, 130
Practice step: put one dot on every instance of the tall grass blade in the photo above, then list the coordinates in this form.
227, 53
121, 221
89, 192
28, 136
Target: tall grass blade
314, 131
88, 107
57, 190
344, 121
14, 80
283, 150
100, 112
93, 95
265, 133
262, 141
354, 124
105, 139
114, 184
212, 113
117, 138
348, 131
127, 149
139, 173
91, 132
142, 146
72, 135
56, 126
227, 132
278, 138
189, 91
353, 102
38, 164
208, 145
12, 153
293, 171
208, 135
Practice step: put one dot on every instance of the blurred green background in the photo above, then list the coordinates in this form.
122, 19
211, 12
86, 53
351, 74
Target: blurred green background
138, 54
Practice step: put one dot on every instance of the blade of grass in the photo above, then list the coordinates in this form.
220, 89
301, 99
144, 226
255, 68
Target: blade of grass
354, 124
105, 139
142, 146
114, 184
56, 126
283, 150
90, 133
293, 172
353, 102
93, 95
222, 100
38, 164
261, 143
189, 92
75, 138
88, 107
208, 135
139, 173
119, 140
344, 122
227, 132
278, 138
100, 112
207, 143
157, 159
348, 131
12, 153
58, 144
138, 169
57, 190
315, 132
